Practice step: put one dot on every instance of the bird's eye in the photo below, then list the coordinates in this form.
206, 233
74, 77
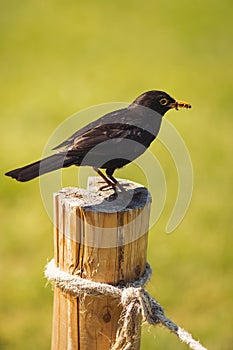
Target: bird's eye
163, 101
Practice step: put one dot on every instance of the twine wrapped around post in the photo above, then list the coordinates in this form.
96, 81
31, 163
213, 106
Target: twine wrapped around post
135, 301
99, 271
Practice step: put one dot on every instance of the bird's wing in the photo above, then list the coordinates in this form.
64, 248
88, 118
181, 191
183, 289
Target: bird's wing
120, 124
118, 115
101, 134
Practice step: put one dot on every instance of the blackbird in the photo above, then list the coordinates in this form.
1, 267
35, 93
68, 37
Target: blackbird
110, 142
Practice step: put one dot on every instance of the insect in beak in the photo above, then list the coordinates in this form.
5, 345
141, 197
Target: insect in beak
180, 104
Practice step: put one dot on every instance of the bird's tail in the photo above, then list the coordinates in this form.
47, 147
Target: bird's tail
30, 171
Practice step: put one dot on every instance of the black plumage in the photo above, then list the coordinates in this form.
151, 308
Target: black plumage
109, 142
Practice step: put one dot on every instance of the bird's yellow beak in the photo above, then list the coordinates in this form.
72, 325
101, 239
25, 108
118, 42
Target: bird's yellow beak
180, 104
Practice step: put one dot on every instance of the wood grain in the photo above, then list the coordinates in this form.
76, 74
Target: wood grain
104, 241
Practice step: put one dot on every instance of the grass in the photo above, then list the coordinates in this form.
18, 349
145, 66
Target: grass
58, 58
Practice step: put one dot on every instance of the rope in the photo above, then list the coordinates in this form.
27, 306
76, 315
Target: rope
135, 300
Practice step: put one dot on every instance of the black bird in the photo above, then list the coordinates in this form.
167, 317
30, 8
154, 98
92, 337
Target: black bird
110, 142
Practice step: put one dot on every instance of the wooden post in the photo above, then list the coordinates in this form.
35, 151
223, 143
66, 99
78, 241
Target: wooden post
104, 241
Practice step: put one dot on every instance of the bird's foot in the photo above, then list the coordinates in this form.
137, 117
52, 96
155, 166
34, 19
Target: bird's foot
106, 187
109, 187
112, 197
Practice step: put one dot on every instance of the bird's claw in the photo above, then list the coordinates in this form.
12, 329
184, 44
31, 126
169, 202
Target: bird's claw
112, 197
106, 188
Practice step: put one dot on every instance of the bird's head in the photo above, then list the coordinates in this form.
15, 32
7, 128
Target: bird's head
159, 101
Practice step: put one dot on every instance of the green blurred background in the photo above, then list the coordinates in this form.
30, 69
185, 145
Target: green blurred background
58, 57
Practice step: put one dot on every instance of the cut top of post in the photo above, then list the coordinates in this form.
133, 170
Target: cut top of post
134, 196
109, 223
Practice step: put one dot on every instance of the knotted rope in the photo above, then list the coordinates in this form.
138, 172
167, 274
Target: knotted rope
135, 300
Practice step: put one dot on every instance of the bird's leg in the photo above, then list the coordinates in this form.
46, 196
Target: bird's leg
108, 182
110, 172
112, 184
112, 179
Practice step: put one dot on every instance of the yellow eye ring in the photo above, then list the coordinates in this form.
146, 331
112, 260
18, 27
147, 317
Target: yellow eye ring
163, 101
